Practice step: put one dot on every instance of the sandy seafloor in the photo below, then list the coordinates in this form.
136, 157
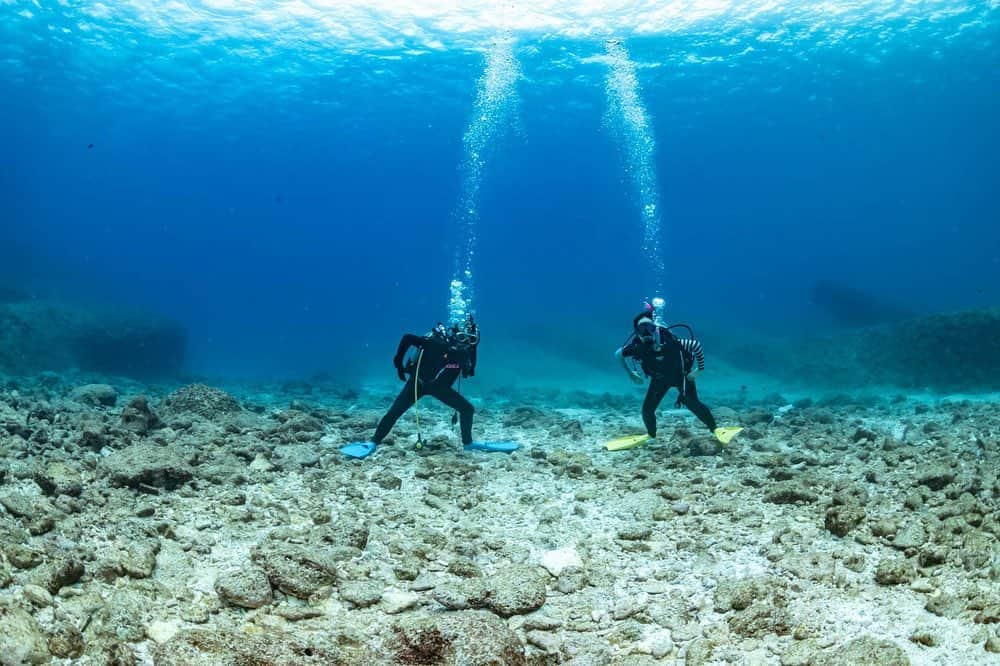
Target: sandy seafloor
224, 528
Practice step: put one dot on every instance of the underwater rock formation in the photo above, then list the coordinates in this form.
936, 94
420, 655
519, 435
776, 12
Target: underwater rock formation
96, 395
462, 637
944, 352
139, 417
199, 400
853, 307
12, 294
132, 346
22, 640
226, 648
36, 336
232, 536
958, 351
149, 465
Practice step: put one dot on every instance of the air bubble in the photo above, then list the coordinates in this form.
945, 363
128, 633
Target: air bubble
495, 106
627, 117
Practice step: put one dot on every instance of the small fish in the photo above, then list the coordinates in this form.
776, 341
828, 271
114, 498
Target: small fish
89, 146
278, 199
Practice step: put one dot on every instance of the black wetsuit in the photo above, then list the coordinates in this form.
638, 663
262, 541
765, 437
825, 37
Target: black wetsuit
667, 368
441, 364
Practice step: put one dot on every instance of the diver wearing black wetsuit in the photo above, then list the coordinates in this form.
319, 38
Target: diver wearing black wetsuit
669, 363
444, 356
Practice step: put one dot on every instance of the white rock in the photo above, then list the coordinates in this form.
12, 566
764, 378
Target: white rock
541, 621
22, 640
38, 596
96, 395
659, 644
555, 561
396, 602
424, 582
655, 587
161, 631
548, 643
261, 464
626, 607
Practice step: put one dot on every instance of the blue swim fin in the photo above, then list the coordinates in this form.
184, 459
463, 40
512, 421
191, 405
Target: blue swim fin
358, 449
497, 446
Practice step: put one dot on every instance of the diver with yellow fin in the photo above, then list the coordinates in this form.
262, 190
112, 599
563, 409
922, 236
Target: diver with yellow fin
669, 362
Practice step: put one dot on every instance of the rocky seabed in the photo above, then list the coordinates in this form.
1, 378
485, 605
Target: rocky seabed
140, 525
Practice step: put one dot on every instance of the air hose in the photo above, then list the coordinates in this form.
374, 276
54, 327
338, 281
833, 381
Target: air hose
416, 397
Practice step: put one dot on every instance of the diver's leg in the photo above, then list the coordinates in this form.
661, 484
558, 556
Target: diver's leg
697, 407
654, 395
402, 403
457, 401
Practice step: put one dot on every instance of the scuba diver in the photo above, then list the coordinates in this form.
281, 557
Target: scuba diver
442, 357
669, 362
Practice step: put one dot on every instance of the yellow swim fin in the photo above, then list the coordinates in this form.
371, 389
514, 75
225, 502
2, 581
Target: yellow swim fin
626, 442
725, 435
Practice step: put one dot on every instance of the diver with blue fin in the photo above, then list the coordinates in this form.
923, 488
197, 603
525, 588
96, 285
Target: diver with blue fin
669, 362
441, 357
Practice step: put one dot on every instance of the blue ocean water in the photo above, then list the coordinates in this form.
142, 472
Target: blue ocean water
284, 177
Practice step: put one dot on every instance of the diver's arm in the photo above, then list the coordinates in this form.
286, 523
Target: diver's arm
621, 359
694, 347
407, 341
620, 355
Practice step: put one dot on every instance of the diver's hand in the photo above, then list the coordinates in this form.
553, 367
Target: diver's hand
636, 378
693, 375
401, 374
